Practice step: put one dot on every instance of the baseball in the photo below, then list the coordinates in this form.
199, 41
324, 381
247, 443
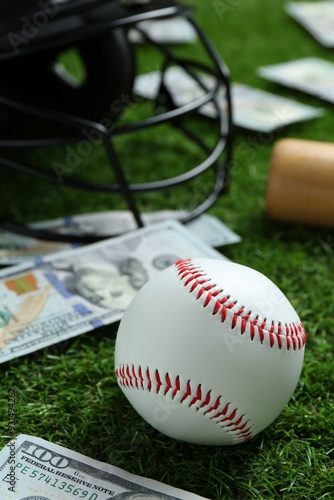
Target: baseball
209, 352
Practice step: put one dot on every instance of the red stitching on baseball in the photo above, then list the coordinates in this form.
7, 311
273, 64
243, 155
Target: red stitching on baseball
206, 400
222, 412
187, 392
215, 406
197, 397
293, 335
149, 381
177, 387
168, 384
226, 417
158, 382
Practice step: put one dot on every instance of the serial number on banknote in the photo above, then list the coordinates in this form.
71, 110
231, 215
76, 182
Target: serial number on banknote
58, 483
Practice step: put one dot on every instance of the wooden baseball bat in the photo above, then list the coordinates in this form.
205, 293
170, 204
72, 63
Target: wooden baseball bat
301, 182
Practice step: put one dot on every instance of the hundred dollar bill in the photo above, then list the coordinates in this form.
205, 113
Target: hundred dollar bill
316, 17
262, 111
182, 87
32, 468
72, 292
207, 228
176, 30
15, 248
253, 108
309, 74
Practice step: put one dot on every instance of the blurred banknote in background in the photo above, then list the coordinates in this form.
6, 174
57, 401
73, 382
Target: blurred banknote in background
15, 248
315, 17
253, 109
176, 30
309, 74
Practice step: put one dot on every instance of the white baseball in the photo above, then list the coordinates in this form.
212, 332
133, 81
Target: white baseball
209, 352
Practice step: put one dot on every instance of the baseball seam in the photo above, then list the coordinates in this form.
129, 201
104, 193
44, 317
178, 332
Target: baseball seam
223, 414
195, 279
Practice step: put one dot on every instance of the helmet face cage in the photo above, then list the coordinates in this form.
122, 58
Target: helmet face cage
46, 108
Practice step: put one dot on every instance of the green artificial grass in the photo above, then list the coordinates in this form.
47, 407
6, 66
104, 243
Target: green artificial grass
67, 393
